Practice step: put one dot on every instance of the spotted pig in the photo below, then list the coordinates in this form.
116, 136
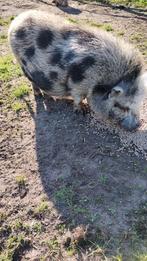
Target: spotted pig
61, 60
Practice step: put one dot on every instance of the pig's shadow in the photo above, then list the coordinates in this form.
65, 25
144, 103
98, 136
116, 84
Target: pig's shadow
70, 10
83, 171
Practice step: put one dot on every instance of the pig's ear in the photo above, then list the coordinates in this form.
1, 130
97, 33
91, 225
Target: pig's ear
116, 91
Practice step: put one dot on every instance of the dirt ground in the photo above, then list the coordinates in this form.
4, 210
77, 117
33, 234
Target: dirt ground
63, 173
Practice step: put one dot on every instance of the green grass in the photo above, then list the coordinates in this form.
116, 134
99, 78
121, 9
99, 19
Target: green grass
37, 227
65, 195
6, 21
15, 241
137, 37
103, 179
145, 44
70, 251
5, 256
130, 3
80, 210
53, 246
140, 257
2, 217
135, 3
17, 106
14, 246
12, 99
144, 52
20, 180
3, 38
73, 21
8, 70
20, 91
61, 228
106, 27
140, 223
120, 33
41, 209
143, 47
94, 24
118, 258
17, 225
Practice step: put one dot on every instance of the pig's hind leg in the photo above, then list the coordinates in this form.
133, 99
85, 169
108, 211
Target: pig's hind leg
37, 91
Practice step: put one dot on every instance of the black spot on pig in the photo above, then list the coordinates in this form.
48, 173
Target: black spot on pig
76, 70
101, 89
56, 58
45, 38
76, 73
87, 62
69, 56
29, 52
41, 80
53, 75
21, 33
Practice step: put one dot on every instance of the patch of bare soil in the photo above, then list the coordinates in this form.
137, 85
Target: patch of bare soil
65, 173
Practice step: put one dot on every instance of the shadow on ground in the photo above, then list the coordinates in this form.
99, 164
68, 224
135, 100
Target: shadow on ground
142, 13
85, 173
138, 12
70, 10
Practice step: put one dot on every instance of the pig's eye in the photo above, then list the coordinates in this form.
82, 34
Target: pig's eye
117, 105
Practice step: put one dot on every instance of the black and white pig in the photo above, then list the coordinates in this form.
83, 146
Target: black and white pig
65, 60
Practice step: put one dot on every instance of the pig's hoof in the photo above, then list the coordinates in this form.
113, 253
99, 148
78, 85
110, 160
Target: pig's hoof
82, 108
38, 94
